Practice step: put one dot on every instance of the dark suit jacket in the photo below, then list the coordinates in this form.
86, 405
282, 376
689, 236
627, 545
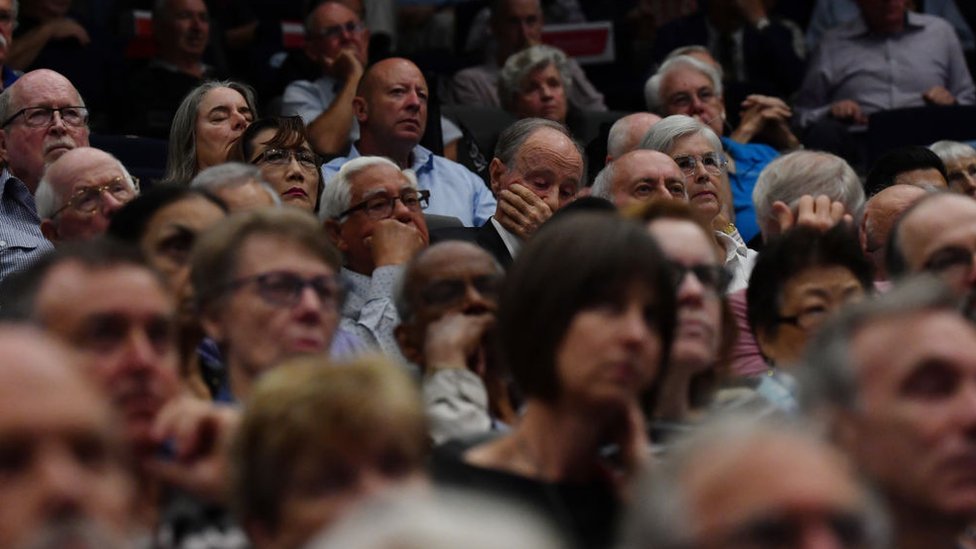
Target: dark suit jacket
484, 236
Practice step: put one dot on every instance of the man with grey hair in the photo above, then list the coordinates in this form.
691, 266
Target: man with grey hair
627, 132
745, 481
79, 194
806, 187
895, 378
42, 116
537, 169
516, 25
373, 212
639, 176
241, 186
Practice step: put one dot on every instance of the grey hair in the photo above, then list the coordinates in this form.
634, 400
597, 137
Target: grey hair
408, 519
827, 372
233, 175
603, 183
520, 65
661, 517
337, 195
47, 201
663, 135
652, 88
951, 151
181, 160
791, 176
510, 141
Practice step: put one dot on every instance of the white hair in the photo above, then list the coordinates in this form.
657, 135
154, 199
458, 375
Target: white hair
48, 201
231, 175
337, 195
792, 176
952, 151
652, 88
663, 135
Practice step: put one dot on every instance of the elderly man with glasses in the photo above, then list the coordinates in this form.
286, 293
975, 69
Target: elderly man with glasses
80, 192
373, 212
43, 116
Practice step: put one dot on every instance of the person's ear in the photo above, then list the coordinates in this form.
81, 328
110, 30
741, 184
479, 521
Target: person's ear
496, 170
333, 230
359, 109
50, 230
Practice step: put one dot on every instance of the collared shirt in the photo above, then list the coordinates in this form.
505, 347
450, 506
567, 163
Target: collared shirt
512, 242
369, 312
883, 72
748, 160
21, 241
454, 190
739, 259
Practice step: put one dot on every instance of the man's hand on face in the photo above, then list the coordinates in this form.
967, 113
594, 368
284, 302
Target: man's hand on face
344, 67
821, 213
849, 111
937, 95
524, 211
453, 338
394, 242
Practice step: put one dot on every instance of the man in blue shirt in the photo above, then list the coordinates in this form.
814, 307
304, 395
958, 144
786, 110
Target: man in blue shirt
391, 108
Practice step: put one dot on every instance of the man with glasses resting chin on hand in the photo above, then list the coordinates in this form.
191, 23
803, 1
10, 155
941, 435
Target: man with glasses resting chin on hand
42, 116
373, 212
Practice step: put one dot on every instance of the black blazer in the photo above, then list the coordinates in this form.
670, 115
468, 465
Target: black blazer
484, 236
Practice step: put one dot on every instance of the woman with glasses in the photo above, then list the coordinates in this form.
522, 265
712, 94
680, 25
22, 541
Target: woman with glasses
585, 324
266, 288
279, 146
800, 279
206, 125
698, 152
705, 329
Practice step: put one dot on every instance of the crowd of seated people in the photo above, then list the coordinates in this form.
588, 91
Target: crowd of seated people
325, 326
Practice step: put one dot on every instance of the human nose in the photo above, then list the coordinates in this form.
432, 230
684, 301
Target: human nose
819, 536
691, 290
633, 327
61, 480
109, 203
476, 302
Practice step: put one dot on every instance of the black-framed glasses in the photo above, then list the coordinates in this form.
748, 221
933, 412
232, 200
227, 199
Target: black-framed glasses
714, 163
381, 206
950, 261
335, 31
683, 100
87, 200
447, 292
714, 277
36, 117
284, 288
280, 157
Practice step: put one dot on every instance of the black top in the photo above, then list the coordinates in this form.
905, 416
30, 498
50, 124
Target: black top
586, 514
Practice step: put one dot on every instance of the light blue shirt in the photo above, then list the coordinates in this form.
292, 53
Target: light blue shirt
454, 190
21, 241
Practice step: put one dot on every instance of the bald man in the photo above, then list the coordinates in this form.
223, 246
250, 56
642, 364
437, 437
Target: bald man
391, 108
627, 133
639, 176
881, 212
80, 192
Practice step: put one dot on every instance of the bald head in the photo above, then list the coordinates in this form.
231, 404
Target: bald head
880, 214
639, 176
70, 487
27, 147
391, 107
627, 133
84, 178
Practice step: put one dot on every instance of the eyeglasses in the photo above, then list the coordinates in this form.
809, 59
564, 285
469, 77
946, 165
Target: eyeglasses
381, 207
285, 288
950, 262
335, 31
281, 157
713, 277
683, 100
87, 200
850, 530
714, 163
6, 17
37, 117
448, 292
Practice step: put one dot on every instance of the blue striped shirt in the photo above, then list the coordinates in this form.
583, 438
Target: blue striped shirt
21, 241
